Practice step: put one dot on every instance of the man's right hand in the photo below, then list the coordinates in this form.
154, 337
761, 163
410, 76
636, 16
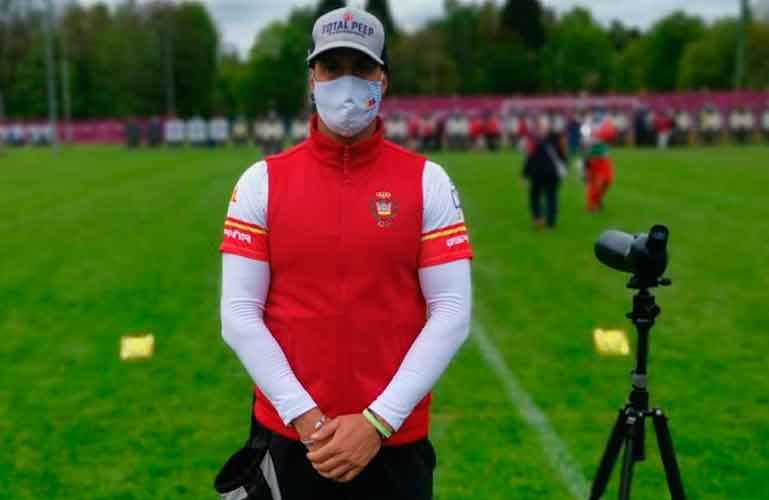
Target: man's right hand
305, 425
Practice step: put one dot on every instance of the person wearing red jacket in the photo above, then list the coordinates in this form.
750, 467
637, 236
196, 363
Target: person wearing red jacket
599, 168
491, 131
345, 291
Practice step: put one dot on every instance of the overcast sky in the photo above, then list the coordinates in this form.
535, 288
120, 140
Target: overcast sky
240, 20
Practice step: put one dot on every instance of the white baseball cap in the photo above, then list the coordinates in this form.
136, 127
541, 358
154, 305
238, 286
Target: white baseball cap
352, 28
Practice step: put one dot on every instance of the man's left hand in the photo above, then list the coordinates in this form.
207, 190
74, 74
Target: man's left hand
354, 442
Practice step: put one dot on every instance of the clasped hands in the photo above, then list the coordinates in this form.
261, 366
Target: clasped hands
342, 447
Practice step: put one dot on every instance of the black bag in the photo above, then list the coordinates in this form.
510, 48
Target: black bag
241, 477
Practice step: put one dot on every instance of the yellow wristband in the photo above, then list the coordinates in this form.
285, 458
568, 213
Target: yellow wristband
376, 423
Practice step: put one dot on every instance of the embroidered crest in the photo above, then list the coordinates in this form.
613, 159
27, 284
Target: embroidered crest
383, 208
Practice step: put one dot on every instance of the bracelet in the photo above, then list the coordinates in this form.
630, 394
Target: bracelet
315, 427
376, 423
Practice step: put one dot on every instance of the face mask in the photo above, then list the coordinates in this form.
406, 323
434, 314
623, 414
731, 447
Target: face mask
348, 104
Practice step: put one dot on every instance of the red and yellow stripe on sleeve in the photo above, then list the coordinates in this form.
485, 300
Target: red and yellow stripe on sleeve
444, 245
245, 239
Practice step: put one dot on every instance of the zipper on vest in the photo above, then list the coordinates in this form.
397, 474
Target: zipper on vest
343, 225
345, 164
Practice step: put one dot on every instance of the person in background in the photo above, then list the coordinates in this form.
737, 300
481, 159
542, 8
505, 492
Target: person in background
622, 124
457, 131
598, 167
511, 128
663, 126
736, 129
274, 133
396, 129
240, 131
682, 128
218, 131
476, 131
427, 131
543, 169
155, 132
197, 132
710, 125
298, 132
574, 133
131, 134
491, 130
174, 132
765, 123
558, 121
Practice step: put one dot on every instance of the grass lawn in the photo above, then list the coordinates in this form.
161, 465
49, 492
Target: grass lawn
96, 243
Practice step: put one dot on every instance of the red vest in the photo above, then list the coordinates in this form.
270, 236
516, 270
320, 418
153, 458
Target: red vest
345, 303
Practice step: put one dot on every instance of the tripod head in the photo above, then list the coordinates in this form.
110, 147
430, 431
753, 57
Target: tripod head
643, 255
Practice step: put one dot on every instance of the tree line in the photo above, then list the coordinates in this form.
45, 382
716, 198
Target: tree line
162, 57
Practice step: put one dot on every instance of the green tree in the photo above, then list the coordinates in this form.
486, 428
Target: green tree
667, 42
194, 55
629, 73
276, 74
421, 64
95, 75
621, 36
327, 6
381, 9
578, 54
526, 19
708, 63
229, 90
757, 56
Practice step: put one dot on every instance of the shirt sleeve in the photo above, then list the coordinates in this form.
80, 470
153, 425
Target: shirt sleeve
245, 228
444, 233
447, 291
245, 285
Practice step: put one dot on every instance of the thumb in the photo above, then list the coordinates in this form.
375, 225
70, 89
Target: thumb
328, 429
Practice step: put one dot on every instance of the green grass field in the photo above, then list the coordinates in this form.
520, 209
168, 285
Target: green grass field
97, 243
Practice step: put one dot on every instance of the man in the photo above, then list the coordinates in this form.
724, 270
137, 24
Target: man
683, 128
711, 123
396, 129
544, 169
197, 132
491, 130
219, 131
346, 287
663, 126
622, 123
173, 131
240, 131
298, 130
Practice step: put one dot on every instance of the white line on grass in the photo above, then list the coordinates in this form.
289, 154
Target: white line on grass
557, 454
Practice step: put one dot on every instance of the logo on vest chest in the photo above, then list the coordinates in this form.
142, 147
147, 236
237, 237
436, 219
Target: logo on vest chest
383, 208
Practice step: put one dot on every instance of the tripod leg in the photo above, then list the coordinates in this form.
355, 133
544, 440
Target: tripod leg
665, 443
633, 435
610, 454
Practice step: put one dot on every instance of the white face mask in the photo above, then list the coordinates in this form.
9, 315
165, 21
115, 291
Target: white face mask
348, 104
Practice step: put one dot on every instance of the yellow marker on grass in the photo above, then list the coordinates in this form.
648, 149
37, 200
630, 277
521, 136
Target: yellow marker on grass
137, 347
611, 342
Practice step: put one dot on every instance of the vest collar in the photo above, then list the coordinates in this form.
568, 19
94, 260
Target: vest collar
331, 152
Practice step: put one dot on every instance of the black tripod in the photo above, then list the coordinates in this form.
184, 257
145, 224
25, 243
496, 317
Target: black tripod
629, 427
